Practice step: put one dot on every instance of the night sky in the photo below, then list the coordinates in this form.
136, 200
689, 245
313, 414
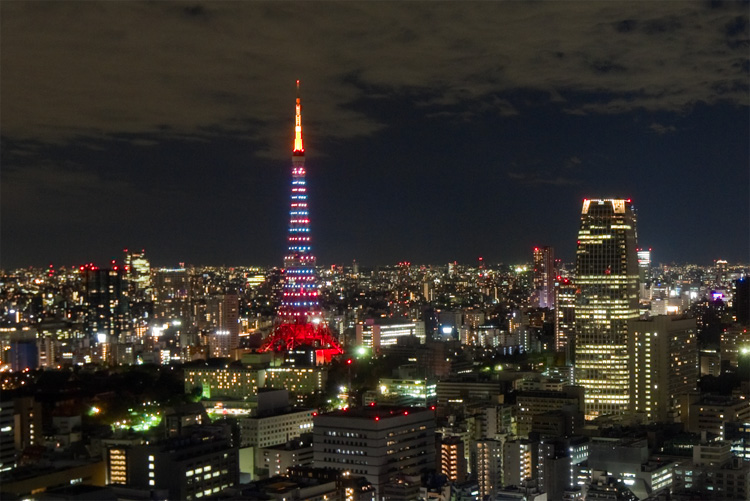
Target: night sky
434, 131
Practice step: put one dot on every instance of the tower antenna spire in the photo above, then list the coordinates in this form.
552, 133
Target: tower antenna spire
300, 317
299, 149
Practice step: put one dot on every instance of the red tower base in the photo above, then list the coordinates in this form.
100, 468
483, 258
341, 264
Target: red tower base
286, 337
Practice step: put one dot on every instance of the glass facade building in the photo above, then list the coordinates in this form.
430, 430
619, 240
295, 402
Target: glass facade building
606, 298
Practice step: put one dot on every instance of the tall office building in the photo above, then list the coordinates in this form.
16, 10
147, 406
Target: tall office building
138, 275
644, 275
299, 320
742, 300
664, 365
222, 311
565, 316
606, 299
544, 277
644, 265
106, 303
172, 293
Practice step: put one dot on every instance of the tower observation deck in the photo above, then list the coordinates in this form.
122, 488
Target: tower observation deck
300, 319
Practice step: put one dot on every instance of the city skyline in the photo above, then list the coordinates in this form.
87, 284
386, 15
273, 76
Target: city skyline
435, 132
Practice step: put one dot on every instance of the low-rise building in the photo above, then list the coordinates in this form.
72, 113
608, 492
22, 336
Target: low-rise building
187, 468
226, 381
275, 460
376, 442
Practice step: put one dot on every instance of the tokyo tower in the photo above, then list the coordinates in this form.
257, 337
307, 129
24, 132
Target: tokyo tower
300, 320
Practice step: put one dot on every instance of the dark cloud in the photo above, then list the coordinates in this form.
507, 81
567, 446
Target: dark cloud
662, 129
72, 69
626, 25
532, 172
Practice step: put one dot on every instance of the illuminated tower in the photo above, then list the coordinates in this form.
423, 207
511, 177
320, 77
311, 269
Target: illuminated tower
299, 320
606, 298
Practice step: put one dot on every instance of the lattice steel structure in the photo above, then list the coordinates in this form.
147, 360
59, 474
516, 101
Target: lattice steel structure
300, 320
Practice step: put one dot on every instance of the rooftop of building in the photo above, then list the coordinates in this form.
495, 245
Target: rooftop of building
377, 411
82, 492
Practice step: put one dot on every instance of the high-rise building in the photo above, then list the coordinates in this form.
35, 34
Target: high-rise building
644, 275
606, 299
544, 276
565, 316
742, 300
644, 265
488, 466
105, 301
172, 291
223, 312
665, 365
299, 320
138, 273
